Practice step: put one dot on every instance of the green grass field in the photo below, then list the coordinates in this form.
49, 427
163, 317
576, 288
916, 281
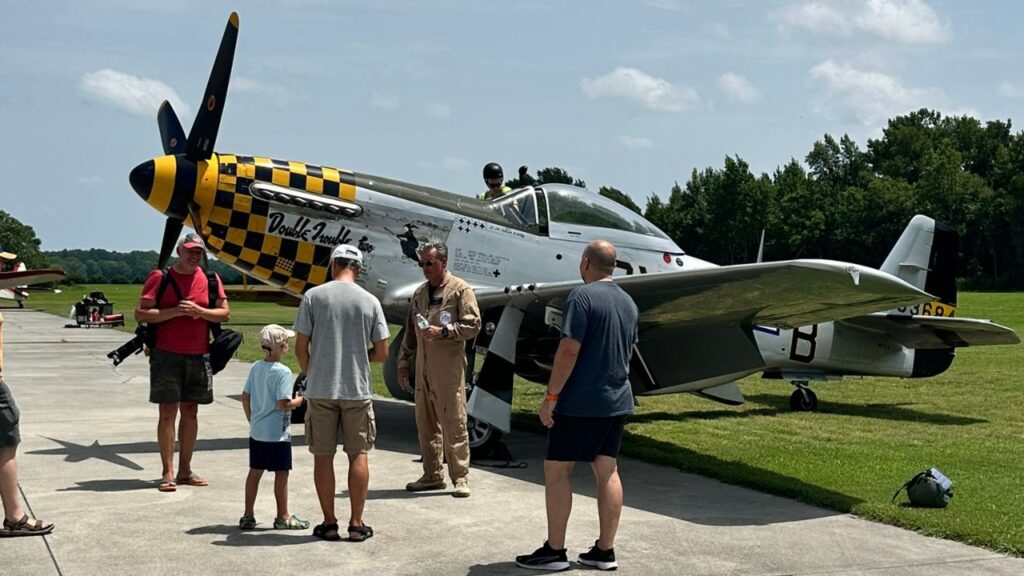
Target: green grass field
868, 437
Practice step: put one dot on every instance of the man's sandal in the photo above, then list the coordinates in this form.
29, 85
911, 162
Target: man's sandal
26, 527
327, 532
192, 480
167, 486
362, 533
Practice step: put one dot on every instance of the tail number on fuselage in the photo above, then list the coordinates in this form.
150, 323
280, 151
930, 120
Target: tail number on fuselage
934, 308
810, 344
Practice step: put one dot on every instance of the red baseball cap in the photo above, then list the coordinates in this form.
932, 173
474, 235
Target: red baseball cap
191, 240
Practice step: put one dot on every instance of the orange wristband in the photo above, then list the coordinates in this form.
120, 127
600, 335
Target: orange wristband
551, 397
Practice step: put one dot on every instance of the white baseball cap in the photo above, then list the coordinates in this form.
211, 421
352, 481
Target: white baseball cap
273, 335
348, 252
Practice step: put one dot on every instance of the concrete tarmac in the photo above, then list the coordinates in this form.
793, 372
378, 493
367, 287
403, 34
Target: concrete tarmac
89, 463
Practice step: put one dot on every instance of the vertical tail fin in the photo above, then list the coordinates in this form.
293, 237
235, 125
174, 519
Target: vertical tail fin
926, 257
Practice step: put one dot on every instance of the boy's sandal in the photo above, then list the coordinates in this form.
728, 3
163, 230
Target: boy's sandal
293, 522
327, 532
26, 527
247, 523
363, 533
192, 480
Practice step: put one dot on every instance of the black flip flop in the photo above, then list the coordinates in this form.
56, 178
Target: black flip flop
364, 532
323, 532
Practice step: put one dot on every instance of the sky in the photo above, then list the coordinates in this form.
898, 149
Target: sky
634, 94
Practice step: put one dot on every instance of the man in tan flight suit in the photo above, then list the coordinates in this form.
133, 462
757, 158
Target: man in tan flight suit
443, 314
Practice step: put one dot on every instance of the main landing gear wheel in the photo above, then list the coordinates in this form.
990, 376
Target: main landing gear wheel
483, 438
803, 398
391, 371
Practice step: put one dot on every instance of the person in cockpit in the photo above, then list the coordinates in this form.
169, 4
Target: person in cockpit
494, 178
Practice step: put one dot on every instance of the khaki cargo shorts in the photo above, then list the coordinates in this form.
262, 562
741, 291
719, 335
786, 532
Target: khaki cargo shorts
10, 435
347, 422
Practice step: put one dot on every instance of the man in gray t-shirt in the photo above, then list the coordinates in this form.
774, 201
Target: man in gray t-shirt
340, 329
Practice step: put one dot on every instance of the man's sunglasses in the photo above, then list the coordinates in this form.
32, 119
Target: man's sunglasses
428, 263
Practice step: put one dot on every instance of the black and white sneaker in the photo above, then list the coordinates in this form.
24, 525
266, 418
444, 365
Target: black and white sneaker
544, 558
600, 559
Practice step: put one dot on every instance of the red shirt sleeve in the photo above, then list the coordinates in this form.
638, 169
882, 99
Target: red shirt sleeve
152, 285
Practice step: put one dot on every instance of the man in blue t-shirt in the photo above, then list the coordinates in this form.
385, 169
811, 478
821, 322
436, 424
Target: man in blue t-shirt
585, 408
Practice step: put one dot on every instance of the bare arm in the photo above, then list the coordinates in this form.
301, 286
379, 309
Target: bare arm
302, 351
247, 406
379, 353
565, 360
290, 404
146, 311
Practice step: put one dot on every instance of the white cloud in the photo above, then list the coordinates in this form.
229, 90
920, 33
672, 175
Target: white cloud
455, 163
737, 88
635, 142
1010, 90
139, 96
442, 111
872, 97
275, 93
638, 86
910, 21
384, 101
907, 21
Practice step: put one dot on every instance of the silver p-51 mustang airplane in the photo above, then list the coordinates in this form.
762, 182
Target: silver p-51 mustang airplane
702, 327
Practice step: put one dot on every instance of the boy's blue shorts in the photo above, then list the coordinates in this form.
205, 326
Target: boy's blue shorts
273, 456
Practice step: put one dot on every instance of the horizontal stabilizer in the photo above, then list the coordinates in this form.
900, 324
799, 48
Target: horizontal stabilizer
728, 393
935, 332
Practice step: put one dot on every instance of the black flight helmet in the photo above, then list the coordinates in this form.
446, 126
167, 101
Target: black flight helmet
493, 170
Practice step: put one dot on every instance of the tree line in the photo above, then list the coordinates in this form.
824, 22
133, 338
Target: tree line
848, 203
842, 202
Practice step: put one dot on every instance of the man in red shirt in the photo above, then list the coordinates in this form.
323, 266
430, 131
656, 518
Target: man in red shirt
180, 375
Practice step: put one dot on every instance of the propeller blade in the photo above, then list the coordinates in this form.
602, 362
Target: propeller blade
203, 135
172, 229
197, 225
171, 133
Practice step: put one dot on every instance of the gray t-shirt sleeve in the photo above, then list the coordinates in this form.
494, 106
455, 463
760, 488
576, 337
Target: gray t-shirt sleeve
304, 319
380, 325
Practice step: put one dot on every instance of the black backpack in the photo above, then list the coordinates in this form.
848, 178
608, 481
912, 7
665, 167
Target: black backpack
225, 341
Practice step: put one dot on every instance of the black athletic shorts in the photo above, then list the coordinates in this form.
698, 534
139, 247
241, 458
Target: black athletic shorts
272, 456
582, 439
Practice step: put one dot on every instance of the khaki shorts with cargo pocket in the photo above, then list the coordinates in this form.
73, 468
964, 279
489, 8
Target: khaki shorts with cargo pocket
347, 422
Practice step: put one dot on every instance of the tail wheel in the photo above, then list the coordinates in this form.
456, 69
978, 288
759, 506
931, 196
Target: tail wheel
483, 438
803, 399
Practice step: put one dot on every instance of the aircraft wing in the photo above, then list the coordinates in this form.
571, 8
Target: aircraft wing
780, 294
696, 325
26, 277
933, 332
